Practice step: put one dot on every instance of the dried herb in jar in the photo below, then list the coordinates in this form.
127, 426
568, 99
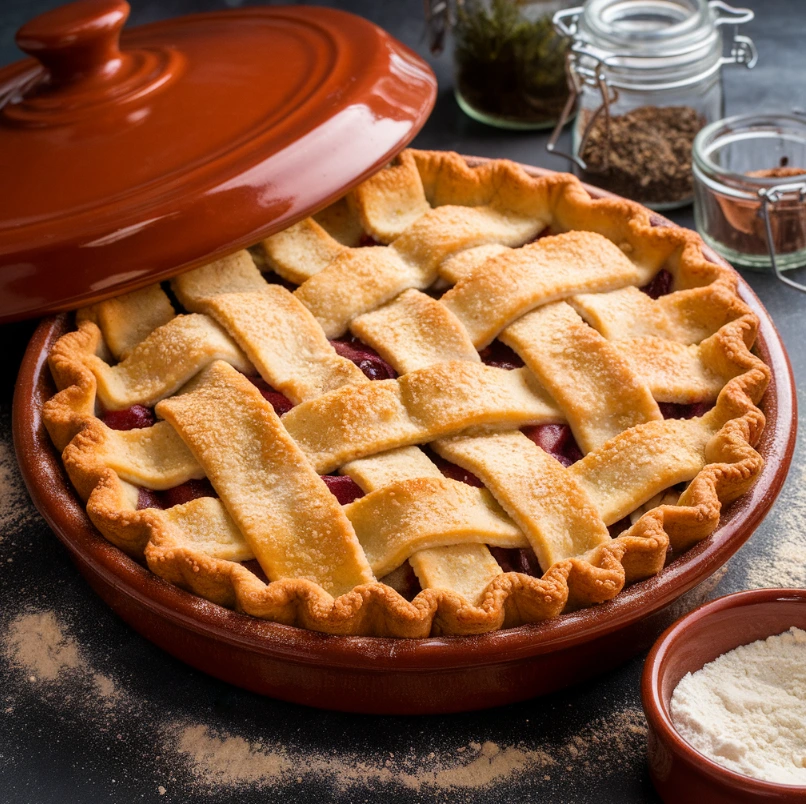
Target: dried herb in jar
644, 154
510, 65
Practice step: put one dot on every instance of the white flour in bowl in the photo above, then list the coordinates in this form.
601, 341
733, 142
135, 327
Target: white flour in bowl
746, 710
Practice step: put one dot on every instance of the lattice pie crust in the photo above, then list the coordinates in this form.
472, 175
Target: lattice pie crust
452, 274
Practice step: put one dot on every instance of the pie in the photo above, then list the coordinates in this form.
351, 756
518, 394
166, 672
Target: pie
458, 399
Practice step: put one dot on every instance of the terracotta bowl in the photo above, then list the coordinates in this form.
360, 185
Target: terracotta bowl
389, 676
680, 773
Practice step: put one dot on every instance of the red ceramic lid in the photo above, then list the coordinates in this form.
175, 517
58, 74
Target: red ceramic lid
194, 138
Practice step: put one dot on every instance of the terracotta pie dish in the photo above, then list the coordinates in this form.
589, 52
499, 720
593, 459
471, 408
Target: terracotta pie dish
380, 675
679, 772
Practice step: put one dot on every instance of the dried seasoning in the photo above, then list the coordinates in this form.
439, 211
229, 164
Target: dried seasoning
738, 224
643, 154
509, 65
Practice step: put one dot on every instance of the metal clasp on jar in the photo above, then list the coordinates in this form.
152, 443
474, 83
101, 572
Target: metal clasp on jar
770, 196
587, 65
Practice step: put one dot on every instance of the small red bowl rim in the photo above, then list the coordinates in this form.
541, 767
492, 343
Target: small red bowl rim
657, 711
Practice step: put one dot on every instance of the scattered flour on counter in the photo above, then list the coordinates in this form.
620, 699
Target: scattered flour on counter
220, 760
15, 507
52, 664
746, 710
36, 644
784, 560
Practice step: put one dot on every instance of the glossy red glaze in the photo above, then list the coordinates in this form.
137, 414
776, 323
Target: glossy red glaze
197, 137
680, 773
364, 674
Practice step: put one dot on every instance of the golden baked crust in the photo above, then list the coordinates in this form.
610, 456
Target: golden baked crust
599, 355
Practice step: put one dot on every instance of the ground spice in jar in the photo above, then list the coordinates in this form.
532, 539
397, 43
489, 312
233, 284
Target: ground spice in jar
738, 224
643, 154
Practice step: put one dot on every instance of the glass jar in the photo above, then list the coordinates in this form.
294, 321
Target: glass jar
750, 190
647, 76
509, 61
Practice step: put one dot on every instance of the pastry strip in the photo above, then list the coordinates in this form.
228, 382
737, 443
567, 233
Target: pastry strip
161, 364
687, 316
284, 342
204, 525
340, 220
128, 319
675, 372
599, 391
236, 273
461, 265
360, 280
391, 200
639, 463
550, 269
301, 251
152, 457
268, 488
384, 468
397, 520
548, 504
414, 331
356, 421
465, 569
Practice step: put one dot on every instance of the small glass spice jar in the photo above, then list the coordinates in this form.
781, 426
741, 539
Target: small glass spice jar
509, 61
647, 77
750, 190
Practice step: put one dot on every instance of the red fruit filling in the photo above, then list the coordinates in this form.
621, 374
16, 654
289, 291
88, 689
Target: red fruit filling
556, 439
673, 410
255, 568
133, 418
404, 581
178, 495
368, 360
660, 285
148, 499
514, 559
281, 404
454, 472
367, 240
500, 356
343, 488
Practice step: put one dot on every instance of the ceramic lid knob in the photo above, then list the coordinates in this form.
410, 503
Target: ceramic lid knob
76, 40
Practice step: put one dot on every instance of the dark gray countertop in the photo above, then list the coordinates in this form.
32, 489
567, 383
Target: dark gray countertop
94, 713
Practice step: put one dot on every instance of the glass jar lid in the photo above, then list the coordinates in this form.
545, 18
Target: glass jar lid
653, 44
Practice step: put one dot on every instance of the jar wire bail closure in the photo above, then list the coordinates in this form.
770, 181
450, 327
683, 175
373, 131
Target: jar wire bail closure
750, 190
590, 64
769, 197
